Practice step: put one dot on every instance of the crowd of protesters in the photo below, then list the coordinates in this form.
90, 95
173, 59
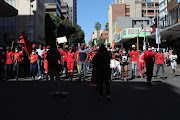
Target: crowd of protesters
144, 60
51, 61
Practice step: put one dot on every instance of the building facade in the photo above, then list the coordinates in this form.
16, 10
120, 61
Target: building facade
31, 19
54, 7
64, 10
94, 34
7, 23
130, 8
162, 12
72, 4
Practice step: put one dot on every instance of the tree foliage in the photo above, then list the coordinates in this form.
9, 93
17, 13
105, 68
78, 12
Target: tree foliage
107, 26
64, 27
97, 27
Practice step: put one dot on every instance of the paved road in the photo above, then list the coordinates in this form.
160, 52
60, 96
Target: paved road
29, 100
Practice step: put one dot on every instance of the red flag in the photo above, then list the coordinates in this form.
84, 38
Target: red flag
27, 43
113, 45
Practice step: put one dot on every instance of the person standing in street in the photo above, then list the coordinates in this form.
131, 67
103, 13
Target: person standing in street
53, 56
70, 62
46, 62
65, 51
173, 59
33, 64
18, 57
124, 60
8, 63
134, 54
83, 56
77, 58
149, 57
101, 62
160, 63
40, 61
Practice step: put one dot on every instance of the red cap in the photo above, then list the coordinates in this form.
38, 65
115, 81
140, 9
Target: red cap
79, 47
70, 48
85, 46
33, 45
44, 47
48, 47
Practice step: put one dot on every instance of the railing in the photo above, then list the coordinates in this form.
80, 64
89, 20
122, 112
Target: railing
172, 18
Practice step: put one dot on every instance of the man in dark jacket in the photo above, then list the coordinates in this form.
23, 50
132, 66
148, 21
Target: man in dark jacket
53, 56
101, 62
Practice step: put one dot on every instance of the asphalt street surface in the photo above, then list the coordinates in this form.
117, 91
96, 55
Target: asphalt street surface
133, 100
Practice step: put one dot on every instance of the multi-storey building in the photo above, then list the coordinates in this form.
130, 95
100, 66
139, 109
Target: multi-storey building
162, 12
31, 19
131, 8
72, 4
64, 10
7, 22
54, 7
95, 33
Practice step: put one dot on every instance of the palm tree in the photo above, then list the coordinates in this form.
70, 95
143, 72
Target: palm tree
107, 27
98, 27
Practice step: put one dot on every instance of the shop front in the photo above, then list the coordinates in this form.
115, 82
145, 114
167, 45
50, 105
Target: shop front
129, 36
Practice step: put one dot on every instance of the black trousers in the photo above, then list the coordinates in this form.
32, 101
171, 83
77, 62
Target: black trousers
16, 69
103, 77
53, 70
65, 65
149, 68
7, 71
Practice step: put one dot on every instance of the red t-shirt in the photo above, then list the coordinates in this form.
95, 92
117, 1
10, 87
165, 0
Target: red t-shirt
45, 55
134, 55
70, 56
64, 56
149, 56
77, 56
9, 57
34, 58
18, 56
60, 50
160, 58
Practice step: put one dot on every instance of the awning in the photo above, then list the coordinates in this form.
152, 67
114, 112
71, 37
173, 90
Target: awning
7, 10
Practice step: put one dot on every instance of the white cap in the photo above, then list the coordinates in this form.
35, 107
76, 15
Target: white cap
124, 52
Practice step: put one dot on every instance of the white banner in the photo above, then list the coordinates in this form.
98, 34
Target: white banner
61, 39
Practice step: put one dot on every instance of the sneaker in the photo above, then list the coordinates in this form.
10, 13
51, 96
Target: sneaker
109, 98
32, 78
163, 78
141, 76
39, 77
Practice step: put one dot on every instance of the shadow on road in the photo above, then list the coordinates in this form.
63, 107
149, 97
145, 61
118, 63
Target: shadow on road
133, 100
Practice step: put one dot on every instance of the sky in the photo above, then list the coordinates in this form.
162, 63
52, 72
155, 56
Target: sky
91, 11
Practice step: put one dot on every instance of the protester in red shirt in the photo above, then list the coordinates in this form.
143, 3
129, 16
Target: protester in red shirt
160, 63
149, 57
18, 56
70, 62
134, 54
77, 58
65, 60
8, 62
61, 54
33, 64
45, 61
